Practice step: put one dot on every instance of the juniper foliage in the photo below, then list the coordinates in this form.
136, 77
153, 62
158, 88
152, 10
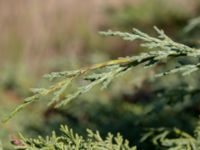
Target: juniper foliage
72, 141
162, 48
174, 139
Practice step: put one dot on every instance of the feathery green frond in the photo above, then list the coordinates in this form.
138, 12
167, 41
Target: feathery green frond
73, 141
174, 139
103, 73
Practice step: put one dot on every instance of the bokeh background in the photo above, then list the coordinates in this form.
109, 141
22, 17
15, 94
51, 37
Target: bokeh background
38, 37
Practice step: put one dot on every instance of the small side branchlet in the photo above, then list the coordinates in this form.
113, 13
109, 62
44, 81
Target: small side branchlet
179, 141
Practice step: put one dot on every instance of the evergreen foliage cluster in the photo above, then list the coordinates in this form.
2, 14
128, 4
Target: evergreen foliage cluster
72, 141
68, 85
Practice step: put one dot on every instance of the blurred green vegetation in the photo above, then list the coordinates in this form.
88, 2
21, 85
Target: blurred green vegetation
46, 39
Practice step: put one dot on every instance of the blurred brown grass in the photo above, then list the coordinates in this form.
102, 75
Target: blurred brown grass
35, 31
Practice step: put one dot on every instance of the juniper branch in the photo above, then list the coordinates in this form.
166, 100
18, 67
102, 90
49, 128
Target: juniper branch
104, 73
72, 141
179, 141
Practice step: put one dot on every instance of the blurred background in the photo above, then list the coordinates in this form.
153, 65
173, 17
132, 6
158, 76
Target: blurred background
38, 37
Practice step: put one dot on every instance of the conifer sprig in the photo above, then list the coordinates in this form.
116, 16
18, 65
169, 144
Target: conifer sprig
103, 73
180, 140
73, 141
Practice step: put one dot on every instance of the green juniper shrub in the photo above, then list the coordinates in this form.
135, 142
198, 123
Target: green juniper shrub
174, 107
